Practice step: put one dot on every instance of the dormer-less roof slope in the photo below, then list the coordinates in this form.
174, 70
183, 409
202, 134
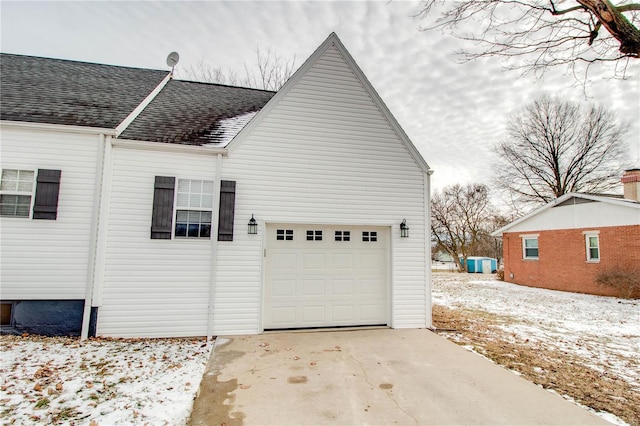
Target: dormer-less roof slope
191, 113
573, 198
56, 91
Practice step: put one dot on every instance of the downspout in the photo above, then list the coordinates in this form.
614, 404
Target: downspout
93, 239
214, 247
427, 242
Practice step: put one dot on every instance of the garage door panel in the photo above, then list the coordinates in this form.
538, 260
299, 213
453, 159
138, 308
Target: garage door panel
342, 313
314, 287
314, 260
342, 260
332, 281
284, 260
313, 315
371, 312
283, 315
343, 287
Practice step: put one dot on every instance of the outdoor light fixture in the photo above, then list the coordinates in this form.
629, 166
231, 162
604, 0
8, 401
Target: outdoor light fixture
404, 229
253, 226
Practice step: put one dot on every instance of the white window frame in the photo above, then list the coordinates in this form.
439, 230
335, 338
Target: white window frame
30, 194
587, 237
524, 246
195, 207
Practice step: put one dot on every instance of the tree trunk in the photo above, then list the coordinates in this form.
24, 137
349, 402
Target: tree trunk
617, 25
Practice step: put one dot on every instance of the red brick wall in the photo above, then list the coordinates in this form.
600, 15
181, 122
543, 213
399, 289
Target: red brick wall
562, 260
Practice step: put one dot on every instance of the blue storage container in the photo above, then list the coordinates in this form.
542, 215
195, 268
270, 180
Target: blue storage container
481, 265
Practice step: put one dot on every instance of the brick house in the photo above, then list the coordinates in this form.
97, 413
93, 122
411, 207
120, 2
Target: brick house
567, 243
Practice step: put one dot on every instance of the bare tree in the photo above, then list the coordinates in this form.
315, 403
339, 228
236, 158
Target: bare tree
207, 73
542, 33
554, 147
461, 221
270, 72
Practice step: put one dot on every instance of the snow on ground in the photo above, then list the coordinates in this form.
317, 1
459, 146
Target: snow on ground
605, 330
99, 382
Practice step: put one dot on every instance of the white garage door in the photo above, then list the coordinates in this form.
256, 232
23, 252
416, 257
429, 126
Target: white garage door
326, 276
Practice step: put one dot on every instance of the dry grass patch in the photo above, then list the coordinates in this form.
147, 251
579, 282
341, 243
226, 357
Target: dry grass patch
565, 373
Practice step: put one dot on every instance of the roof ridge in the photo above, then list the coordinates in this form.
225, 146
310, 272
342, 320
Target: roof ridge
85, 62
222, 85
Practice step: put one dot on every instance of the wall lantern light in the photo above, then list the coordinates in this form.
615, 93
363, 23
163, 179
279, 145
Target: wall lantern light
404, 229
253, 226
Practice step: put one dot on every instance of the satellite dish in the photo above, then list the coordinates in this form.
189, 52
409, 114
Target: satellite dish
173, 59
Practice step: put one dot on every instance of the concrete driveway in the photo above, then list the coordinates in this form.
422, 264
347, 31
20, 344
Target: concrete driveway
375, 377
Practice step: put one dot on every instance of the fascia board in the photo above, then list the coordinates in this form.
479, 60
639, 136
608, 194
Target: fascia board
561, 200
167, 147
64, 128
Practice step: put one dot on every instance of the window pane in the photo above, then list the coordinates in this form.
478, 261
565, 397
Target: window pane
15, 205
192, 230
593, 253
183, 185
593, 241
194, 216
207, 187
207, 201
183, 200
194, 200
182, 216
205, 230
205, 217
181, 229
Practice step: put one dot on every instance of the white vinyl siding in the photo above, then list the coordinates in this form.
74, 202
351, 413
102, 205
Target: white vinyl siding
152, 287
326, 155
47, 259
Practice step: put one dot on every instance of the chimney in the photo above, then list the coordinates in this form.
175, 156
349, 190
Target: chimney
631, 181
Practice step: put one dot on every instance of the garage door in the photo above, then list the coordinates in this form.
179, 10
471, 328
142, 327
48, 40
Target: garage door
326, 276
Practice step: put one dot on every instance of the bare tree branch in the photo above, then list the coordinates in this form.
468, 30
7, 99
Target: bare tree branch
534, 35
462, 218
269, 72
554, 147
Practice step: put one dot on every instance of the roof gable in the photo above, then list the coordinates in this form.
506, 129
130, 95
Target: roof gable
191, 113
332, 43
56, 91
570, 200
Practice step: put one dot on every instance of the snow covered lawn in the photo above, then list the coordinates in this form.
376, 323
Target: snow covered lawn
602, 333
100, 381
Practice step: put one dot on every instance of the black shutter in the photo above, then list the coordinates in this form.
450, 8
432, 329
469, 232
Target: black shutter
45, 205
227, 210
162, 216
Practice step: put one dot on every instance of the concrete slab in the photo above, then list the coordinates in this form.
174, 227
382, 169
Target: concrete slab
373, 377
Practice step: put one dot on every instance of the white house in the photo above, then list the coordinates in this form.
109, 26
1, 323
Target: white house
205, 209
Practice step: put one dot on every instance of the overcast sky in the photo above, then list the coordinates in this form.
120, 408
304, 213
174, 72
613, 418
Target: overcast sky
454, 113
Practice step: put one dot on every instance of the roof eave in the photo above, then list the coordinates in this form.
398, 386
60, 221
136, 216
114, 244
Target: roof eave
58, 127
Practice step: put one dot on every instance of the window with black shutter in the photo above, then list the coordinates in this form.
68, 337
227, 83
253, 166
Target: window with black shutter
45, 205
227, 210
162, 215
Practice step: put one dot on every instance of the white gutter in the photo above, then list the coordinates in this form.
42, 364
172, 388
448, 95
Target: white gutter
93, 239
101, 243
214, 247
134, 114
427, 243
58, 128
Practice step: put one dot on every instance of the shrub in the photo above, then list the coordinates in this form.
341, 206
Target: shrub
624, 278
500, 274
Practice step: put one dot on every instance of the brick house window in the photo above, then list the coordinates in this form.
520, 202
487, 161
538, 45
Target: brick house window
530, 247
593, 246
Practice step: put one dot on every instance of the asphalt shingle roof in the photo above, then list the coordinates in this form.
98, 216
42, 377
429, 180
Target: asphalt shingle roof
191, 113
56, 91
